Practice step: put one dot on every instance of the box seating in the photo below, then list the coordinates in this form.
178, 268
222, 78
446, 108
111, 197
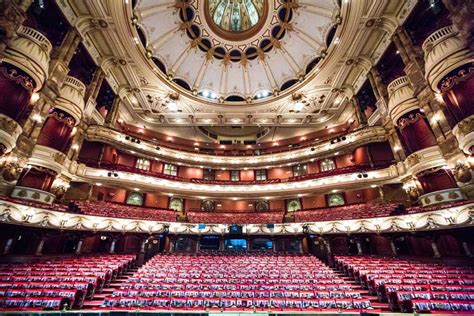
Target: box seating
236, 217
59, 282
236, 281
414, 284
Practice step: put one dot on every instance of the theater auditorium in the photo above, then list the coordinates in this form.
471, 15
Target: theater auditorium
228, 157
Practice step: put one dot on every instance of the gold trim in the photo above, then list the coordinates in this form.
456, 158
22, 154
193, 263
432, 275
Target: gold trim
235, 36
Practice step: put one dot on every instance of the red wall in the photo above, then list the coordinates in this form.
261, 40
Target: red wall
190, 172
223, 175
343, 160
156, 166
279, 173
156, 200
90, 151
126, 160
247, 175
313, 167
317, 201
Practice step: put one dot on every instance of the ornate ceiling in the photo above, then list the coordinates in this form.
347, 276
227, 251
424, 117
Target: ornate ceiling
177, 63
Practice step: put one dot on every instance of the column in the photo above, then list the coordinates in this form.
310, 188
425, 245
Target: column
359, 247
198, 244
8, 245
434, 246
95, 85
465, 246
12, 16
112, 115
462, 17
274, 245
394, 248
249, 244
361, 118
143, 245
39, 248
221, 244
394, 142
112, 246
79, 246
381, 193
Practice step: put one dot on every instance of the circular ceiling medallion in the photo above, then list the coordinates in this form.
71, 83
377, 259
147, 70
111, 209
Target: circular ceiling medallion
235, 20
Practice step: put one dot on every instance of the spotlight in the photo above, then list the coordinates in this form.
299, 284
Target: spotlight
127, 137
109, 174
313, 149
138, 141
157, 147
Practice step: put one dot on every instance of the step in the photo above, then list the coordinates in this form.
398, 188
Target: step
92, 304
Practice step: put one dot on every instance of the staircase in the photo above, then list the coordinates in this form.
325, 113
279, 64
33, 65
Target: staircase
98, 298
381, 307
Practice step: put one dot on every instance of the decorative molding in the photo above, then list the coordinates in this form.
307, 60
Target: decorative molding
444, 196
464, 132
29, 51
9, 132
318, 151
34, 195
17, 214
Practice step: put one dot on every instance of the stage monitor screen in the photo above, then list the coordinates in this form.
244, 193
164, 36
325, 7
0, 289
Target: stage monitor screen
235, 244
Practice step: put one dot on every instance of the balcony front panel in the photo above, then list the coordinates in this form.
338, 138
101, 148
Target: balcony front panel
317, 151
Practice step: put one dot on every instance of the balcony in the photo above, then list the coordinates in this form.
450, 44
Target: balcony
401, 98
312, 151
444, 52
30, 51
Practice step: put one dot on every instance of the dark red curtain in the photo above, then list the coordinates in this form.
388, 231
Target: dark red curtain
36, 179
56, 132
15, 93
436, 181
458, 92
416, 134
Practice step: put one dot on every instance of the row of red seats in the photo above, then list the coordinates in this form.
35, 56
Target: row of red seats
345, 212
126, 211
58, 283
414, 284
235, 217
236, 281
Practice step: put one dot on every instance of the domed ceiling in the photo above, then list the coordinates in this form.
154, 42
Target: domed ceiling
237, 50
270, 63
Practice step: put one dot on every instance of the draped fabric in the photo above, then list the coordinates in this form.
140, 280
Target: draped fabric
457, 89
56, 132
36, 179
17, 88
415, 133
437, 181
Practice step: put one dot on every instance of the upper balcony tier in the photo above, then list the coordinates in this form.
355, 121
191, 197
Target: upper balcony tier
312, 150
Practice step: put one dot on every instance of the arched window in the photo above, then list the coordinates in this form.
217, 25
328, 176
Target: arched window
142, 164
327, 164
176, 204
293, 205
170, 169
135, 198
336, 199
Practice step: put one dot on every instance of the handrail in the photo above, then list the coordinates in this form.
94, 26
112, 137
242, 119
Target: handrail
397, 84
75, 83
438, 36
312, 176
36, 37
